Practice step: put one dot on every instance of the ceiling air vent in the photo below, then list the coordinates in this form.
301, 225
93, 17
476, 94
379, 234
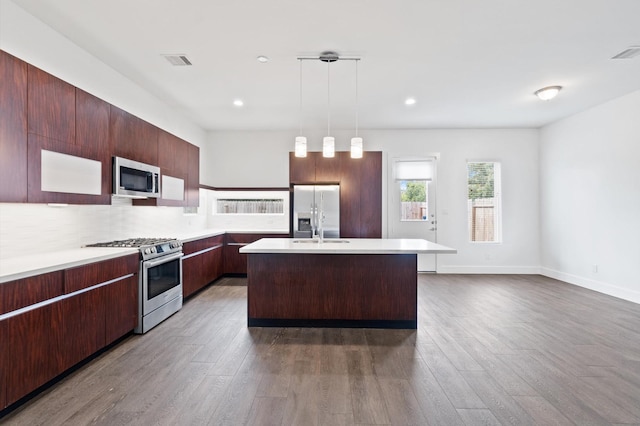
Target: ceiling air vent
629, 53
178, 60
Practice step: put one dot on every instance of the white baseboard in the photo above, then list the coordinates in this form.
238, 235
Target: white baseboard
599, 286
455, 269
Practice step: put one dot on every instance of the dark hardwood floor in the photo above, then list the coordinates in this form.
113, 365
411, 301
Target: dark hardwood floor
489, 350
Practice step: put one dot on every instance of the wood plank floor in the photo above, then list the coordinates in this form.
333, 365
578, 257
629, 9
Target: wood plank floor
489, 350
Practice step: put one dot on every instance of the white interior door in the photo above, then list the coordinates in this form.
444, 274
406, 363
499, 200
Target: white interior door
412, 209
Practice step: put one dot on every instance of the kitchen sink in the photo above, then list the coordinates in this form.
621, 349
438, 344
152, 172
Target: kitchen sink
326, 241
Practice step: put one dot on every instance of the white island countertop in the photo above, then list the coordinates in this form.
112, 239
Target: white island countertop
346, 246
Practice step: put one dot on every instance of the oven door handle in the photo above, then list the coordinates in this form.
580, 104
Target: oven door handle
150, 264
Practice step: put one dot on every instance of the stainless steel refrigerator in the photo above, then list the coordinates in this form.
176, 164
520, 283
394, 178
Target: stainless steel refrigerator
316, 207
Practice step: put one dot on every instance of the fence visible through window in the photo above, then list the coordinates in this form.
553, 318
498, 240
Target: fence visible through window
483, 201
413, 200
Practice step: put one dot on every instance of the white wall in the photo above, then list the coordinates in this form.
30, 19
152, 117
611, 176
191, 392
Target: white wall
34, 42
590, 198
261, 159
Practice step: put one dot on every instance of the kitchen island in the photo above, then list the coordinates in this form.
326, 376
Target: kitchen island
334, 283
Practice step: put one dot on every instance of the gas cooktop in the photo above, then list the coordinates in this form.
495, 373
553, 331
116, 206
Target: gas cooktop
149, 247
134, 242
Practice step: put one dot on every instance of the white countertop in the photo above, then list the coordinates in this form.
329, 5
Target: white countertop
197, 235
16, 268
27, 266
347, 246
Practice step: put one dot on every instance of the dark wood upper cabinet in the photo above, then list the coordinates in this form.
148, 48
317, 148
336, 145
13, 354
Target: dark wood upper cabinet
193, 181
173, 155
132, 138
371, 195
173, 160
328, 169
360, 188
13, 129
51, 106
92, 125
92, 138
350, 197
302, 169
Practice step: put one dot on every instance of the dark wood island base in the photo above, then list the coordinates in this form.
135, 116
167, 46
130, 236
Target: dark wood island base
332, 290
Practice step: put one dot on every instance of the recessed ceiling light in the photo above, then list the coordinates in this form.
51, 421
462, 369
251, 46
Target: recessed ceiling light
238, 102
547, 93
262, 59
410, 101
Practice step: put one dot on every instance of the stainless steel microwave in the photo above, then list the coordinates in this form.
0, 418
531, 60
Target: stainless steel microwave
134, 179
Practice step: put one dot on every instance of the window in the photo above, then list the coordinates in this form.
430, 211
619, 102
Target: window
413, 200
413, 176
484, 202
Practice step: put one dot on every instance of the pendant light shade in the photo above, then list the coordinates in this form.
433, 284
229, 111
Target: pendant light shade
356, 142
301, 146
301, 141
329, 146
356, 148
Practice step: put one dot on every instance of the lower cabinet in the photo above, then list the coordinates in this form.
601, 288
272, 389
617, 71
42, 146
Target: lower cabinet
202, 263
121, 301
33, 349
3, 367
235, 262
83, 319
41, 343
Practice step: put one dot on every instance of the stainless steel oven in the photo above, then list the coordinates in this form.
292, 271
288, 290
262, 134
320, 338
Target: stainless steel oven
160, 278
160, 290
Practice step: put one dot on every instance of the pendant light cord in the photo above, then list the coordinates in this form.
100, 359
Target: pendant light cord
300, 112
328, 98
356, 98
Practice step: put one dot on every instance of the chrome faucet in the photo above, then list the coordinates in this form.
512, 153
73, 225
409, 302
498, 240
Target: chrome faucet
321, 218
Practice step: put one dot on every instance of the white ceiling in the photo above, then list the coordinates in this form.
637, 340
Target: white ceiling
468, 63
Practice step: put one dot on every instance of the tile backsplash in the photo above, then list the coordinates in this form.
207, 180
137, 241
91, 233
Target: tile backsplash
38, 228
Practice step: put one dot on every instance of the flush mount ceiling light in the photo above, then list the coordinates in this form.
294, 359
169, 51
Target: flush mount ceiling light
328, 142
548, 93
262, 59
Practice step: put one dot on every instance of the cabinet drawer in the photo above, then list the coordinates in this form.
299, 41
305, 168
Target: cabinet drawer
202, 244
95, 273
28, 291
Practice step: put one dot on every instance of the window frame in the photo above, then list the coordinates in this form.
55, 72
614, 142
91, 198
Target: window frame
497, 203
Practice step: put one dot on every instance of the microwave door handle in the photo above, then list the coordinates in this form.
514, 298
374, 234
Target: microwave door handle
165, 259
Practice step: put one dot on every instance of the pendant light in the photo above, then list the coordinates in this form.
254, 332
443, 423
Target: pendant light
328, 142
301, 141
356, 142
